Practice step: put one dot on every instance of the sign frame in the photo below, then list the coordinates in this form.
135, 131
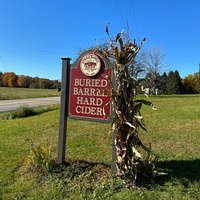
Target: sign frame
104, 75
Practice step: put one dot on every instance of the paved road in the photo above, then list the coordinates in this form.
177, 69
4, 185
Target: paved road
8, 105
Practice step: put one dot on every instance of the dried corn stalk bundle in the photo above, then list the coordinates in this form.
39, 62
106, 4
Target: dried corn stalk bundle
127, 120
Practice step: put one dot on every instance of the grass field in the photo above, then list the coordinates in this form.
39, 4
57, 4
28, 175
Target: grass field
173, 132
21, 93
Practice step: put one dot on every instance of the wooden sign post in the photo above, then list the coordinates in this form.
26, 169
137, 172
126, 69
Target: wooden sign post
64, 102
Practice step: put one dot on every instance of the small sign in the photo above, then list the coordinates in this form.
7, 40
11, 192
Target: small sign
90, 65
89, 88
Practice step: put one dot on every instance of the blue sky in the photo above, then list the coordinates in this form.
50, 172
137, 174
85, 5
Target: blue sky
35, 34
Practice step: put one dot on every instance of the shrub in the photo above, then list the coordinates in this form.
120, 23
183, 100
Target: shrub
40, 158
23, 111
26, 111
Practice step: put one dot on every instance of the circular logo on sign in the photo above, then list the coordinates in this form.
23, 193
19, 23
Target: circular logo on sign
90, 65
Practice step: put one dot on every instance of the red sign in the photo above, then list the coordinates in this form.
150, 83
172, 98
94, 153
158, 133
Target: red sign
89, 86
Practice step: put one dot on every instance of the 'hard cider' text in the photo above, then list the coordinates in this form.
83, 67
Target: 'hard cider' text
89, 93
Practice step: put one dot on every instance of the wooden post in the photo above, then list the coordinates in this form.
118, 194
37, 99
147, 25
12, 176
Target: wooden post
64, 102
114, 156
114, 153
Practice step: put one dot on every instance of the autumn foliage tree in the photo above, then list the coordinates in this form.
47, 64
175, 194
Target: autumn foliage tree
191, 83
23, 81
5, 78
9, 79
12, 79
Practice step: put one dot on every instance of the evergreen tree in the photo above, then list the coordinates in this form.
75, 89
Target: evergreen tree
163, 81
179, 84
173, 83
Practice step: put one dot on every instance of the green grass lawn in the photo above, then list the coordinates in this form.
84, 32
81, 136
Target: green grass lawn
173, 132
21, 93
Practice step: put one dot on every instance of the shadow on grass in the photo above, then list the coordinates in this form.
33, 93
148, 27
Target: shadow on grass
183, 170
179, 169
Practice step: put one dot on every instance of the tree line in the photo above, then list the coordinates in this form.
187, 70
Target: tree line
152, 63
167, 83
172, 83
10, 79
